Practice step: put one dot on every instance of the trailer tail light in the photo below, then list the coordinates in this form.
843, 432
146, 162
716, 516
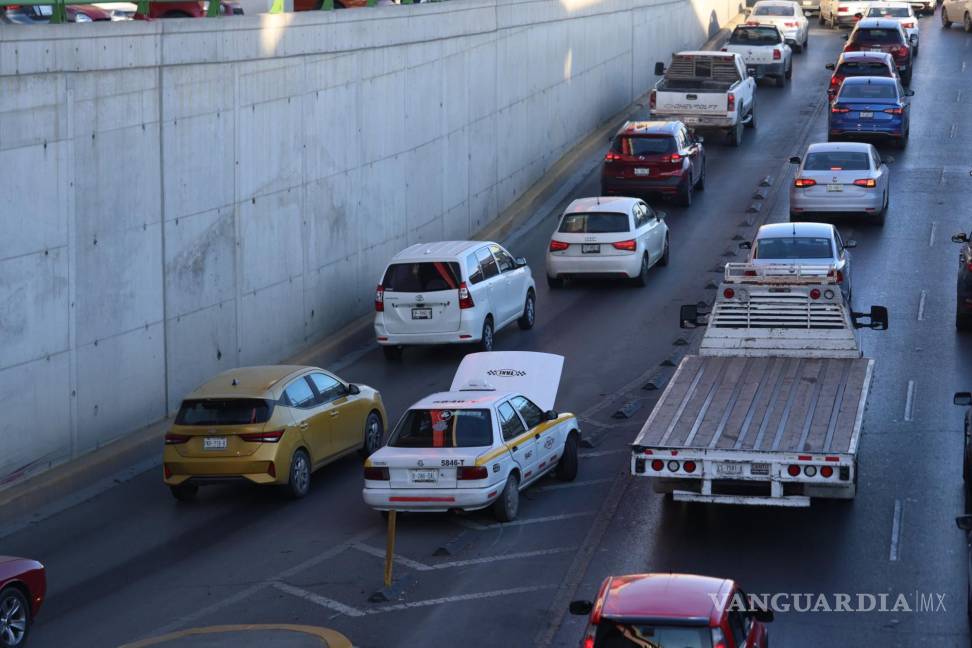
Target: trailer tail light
630, 245
380, 299
867, 183
472, 472
465, 299
793, 470
777, 55
176, 439
374, 473
689, 466
815, 293
657, 465
263, 437
827, 471
803, 183
652, 99
894, 111
730, 102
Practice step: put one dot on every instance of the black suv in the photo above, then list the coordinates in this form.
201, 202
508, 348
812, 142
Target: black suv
963, 297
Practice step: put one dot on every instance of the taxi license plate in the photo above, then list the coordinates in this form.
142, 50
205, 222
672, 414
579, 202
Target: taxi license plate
424, 476
642, 172
591, 248
214, 443
835, 187
421, 313
729, 468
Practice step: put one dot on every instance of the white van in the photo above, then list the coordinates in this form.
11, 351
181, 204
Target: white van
452, 292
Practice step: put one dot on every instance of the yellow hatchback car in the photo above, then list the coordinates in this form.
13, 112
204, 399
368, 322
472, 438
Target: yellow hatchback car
269, 425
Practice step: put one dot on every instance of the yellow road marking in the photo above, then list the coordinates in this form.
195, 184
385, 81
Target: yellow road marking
329, 638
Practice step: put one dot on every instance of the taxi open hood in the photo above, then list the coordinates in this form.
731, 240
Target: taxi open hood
535, 375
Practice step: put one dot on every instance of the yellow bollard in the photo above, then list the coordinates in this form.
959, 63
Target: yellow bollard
390, 549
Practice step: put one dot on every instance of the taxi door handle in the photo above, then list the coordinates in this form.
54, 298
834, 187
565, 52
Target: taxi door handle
513, 448
536, 436
335, 413
304, 425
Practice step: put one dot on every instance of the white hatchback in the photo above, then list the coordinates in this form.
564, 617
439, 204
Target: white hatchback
452, 292
607, 237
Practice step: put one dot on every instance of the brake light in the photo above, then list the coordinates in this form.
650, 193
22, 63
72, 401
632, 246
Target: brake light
380, 299
793, 470
472, 472
894, 111
612, 157
804, 182
728, 293
465, 299
908, 25
599, 605
839, 109
689, 466
674, 158
374, 473
841, 9
868, 183
176, 439
651, 100
589, 641
657, 465
630, 245
777, 55
263, 437
790, 24
557, 246
900, 50
730, 102
826, 471
836, 80
815, 294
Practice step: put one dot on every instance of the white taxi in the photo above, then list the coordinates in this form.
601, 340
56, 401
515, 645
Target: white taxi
479, 444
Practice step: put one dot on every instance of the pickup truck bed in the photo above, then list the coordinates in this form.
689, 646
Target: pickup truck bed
768, 404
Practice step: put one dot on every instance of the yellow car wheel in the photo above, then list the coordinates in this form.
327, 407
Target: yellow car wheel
298, 483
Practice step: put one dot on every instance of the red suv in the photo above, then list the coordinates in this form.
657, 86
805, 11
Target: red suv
883, 35
654, 157
672, 610
853, 64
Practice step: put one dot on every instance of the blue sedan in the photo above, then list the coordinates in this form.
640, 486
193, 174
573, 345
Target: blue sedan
869, 107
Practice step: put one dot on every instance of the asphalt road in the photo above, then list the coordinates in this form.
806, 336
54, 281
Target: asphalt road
132, 563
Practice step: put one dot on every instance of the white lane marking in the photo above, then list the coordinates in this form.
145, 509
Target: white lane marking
895, 531
400, 559
478, 526
323, 601
460, 597
941, 178
963, 62
510, 556
958, 95
910, 401
953, 130
576, 484
601, 453
921, 306
934, 225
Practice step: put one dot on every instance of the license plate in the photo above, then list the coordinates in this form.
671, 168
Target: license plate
424, 476
729, 468
642, 172
835, 187
214, 443
591, 248
691, 120
421, 313
867, 115
759, 469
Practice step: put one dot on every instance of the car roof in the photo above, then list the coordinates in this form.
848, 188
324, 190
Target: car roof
465, 399
888, 5
783, 230
649, 128
878, 23
437, 249
250, 382
602, 204
853, 56
774, 3
706, 53
820, 147
665, 596
870, 80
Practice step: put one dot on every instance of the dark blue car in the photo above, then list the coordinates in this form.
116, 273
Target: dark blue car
871, 107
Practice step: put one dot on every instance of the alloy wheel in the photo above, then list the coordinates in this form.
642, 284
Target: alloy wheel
13, 620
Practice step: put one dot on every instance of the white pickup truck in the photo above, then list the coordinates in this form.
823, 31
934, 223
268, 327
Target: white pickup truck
764, 50
769, 412
706, 90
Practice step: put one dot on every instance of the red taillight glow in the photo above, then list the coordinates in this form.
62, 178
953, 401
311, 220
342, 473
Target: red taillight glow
777, 55
657, 464
380, 299
629, 246
689, 466
166, 470
263, 437
815, 293
674, 158
835, 81
651, 100
894, 111
793, 470
790, 24
472, 472
728, 293
373, 473
176, 439
612, 157
465, 299
841, 9
557, 246
588, 641
839, 109
804, 182
826, 471
730, 102
908, 25
868, 183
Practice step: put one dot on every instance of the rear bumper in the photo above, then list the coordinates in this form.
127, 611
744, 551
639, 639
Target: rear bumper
889, 128
611, 186
872, 201
468, 331
430, 499
593, 265
202, 470
767, 69
696, 121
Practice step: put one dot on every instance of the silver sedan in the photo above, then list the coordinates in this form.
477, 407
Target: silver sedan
836, 179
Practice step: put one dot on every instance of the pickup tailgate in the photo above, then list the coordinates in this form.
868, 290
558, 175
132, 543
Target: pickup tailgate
755, 55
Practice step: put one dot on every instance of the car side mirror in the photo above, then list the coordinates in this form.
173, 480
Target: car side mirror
795, 159
763, 616
963, 399
659, 68
961, 237
354, 389
830, 66
746, 245
520, 262
660, 215
850, 244
964, 522
585, 607
878, 319
550, 415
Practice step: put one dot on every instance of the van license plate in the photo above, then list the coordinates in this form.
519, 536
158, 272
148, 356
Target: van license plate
591, 248
835, 187
214, 443
424, 476
421, 313
729, 468
642, 172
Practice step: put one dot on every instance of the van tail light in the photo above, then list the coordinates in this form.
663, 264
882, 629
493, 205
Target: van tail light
777, 55
894, 111
465, 299
472, 472
176, 439
839, 109
804, 182
651, 100
375, 473
867, 183
263, 437
629, 245
380, 299
730, 102
557, 246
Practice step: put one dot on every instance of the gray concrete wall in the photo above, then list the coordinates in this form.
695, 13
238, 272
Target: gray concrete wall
183, 197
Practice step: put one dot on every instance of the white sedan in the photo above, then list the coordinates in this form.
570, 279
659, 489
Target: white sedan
490, 436
958, 12
903, 13
840, 178
607, 237
788, 18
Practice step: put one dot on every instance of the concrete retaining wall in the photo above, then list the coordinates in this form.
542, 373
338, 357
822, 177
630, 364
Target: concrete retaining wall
183, 197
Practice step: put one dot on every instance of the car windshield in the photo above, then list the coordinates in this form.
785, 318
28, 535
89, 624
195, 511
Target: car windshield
594, 223
837, 161
888, 12
443, 428
867, 91
427, 276
644, 145
627, 635
773, 10
224, 411
793, 247
863, 68
755, 36
876, 36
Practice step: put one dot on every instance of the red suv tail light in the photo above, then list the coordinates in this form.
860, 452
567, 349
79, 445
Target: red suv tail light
373, 473
176, 439
630, 245
612, 157
380, 299
777, 55
651, 100
263, 437
557, 246
472, 472
730, 102
804, 182
674, 158
867, 183
465, 299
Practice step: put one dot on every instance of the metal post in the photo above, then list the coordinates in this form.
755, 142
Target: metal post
59, 14
142, 8
277, 7
214, 8
327, 5
390, 549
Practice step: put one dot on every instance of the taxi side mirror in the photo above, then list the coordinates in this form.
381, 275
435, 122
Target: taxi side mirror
583, 607
964, 522
353, 389
550, 415
850, 244
520, 262
795, 159
961, 237
746, 245
963, 399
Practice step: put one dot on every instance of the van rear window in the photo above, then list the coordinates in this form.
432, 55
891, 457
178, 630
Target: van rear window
445, 428
224, 411
595, 223
426, 276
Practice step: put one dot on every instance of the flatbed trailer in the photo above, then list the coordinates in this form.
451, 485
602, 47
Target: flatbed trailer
770, 410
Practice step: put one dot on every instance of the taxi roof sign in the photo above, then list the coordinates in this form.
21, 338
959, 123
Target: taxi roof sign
535, 375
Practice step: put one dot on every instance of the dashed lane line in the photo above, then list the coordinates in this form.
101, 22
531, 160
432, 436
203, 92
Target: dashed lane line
934, 225
479, 526
602, 453
895, 531
921, 305
910, 401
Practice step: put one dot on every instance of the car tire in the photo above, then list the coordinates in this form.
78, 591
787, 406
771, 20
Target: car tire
641, 280
685, 194
184, 492
789, 71
752, 116
529, 316
963, 321
663, 261
967, 24
567, 466
374, 435
946, 23
507, 504
486, 339
736, 135
700, 185
13, 603
554, 283
806, 41
392, 353
781, 81
298, 478
880, 216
